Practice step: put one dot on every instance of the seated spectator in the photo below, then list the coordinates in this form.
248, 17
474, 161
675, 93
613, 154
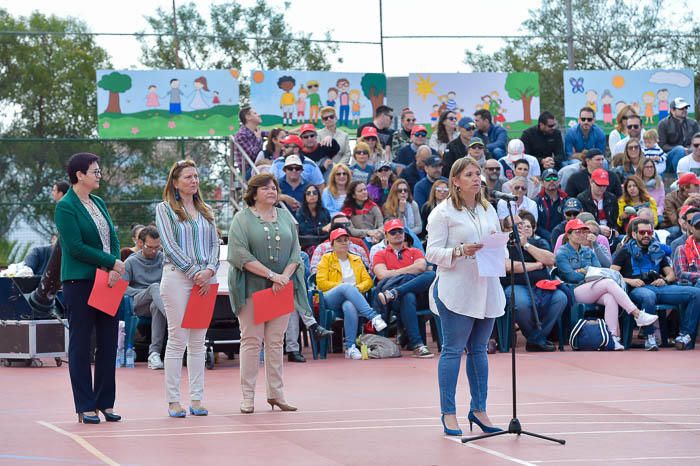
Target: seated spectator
377, 152
381, 124
365, 216
459, 147
438, 193
311, 173
519, 187
648, 272
360, 167
331, 132
635, 130
403, 276
550, 202
686, 265
495, 137
322, 155
380, 183
143, 271
521, 167
571, 208
691, 162
127, 251
676, 132
552, 304
433, 172
625, 163
407, 154
594, 240
491, 174
333, 197
400, 204
585, 135
344, 279
409, 242
274, 148
573, 259
688, 184
580, 180
545, 142
634, 197
653, 151
291, 184
598, 200
416, 171
685, 215
620, 130
38, 257
357, 246
314, 219
444, 132
402, 137
654, 184
516, 152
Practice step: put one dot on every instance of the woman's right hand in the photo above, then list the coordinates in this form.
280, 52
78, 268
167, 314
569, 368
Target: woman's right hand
471, 248
119, 267
279, 279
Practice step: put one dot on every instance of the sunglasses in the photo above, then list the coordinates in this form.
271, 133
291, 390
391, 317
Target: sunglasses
553, 125
293, 169
451, 118
363, 152
632, 126
493, 169
571, 213
442, 190
313, 85
645, 232
385, 169
635, 147
552, 178
309, 136
370, 138
519, 188
341, 174
588, 120
411, 120
312, 193
396, 232
402, 190
328, 117
696, 145
420, 134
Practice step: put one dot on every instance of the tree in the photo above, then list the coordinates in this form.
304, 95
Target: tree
374, 88
523, 87
608, 34
115, 83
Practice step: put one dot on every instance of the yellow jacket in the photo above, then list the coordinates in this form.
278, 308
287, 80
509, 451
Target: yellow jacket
329, 274
621, 204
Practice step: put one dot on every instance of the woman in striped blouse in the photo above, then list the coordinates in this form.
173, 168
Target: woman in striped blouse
191, 248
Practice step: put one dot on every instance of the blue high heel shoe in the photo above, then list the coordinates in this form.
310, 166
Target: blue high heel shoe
455, 432
198, 411
486, 429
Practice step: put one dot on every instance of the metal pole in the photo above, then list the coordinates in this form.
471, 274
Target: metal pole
381, 34
176, 41
569, 36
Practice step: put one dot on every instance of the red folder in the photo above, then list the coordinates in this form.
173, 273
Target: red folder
267, 305
104, 298
200, 308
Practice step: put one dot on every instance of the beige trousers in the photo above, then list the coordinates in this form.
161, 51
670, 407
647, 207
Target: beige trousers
252, 337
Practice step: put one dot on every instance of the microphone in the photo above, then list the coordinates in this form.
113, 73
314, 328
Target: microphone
504, 196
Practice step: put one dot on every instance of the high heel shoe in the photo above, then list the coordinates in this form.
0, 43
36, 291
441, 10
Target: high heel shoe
281, 405
247, 407
455, 432
110, 417
88, 418
486, 429
198, 411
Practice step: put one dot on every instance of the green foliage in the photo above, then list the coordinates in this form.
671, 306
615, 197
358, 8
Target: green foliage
519, 85
115, 82
374, 88
12, 252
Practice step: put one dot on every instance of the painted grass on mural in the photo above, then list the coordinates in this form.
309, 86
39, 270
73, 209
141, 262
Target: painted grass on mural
273, 121
220, 120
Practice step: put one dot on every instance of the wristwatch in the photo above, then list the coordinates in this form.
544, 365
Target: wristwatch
458, 251
270, 275
526, 246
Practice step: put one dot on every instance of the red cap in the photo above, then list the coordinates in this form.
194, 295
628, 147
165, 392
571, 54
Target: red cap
369, 132
393, 224
688, 178
684, 210
293, 139
575, 224
307, 128
418, 128
550, 285
600, 177
338, 232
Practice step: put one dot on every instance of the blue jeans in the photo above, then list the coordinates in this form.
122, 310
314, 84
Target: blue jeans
460, 332
548, 315
498, 153
407, 306
647, 297
348, 300
672, 158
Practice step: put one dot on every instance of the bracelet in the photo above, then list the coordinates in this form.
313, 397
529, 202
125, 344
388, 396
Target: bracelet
270, 275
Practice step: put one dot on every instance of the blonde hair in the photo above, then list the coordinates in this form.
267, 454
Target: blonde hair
391, 205
332, 187
650, 134
173, 199
457, 168
437, 184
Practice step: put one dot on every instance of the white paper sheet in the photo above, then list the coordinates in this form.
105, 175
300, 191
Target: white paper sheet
491, 259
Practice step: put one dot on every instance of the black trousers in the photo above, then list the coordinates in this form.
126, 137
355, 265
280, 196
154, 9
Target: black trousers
83, 319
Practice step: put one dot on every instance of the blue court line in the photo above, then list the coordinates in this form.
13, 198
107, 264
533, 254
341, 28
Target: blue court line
48, 458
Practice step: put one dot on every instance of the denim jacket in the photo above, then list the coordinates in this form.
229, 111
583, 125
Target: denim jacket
568, 260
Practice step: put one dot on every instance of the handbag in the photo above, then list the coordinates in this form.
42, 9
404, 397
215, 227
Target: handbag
593, 274
591, 335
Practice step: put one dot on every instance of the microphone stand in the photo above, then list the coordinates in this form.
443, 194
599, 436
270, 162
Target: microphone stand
514, 427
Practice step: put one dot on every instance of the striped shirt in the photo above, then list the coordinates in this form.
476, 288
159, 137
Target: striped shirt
191, 245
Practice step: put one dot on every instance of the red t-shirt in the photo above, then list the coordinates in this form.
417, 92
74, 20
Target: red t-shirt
389, 257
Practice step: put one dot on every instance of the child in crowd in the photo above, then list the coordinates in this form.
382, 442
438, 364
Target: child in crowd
653, 151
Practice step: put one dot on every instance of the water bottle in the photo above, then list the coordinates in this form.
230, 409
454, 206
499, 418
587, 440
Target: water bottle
119, 364
130, 357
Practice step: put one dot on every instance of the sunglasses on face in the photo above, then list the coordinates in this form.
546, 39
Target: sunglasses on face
362, 152
494, 169
552, 178
587, 120
328, 117
411, 120
308, 136
370, 139
396, 232
553, 125
402, 190
420, 134
571, 214
293, 169
632, 126
341, 174
451, 118
477, 146
342, 224
519, 188
442, 190
312, 193
645, 232
385, 169
635, 147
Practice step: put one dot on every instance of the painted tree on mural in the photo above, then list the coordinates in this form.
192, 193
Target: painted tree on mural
115, 83
374, 88
523, 87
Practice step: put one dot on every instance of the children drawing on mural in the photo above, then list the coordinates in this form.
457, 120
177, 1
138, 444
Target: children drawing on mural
287, 83
343, 86
592, 99
152, 99
200, 87
332, 97
355, 104
215, 100
314, 100
648, 98
301, 105
636, 107
435, 114
607, 99
662, 95
451, 103
442, 100
175, 94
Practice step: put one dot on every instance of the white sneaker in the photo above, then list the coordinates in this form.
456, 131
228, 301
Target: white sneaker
154, 361
378, 323
650, 344
682, 341
618, 345
644, 319
353, 353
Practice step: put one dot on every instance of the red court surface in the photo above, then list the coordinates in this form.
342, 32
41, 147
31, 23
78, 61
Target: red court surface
611, 408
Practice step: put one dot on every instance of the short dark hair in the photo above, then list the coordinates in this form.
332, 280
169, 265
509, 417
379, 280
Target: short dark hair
527, 216
61, 186
256, 182
545, 117
383, 110
586, 109
79, 162
520, 162
640, 221
151, 232
243, 114
485, 114
695, 136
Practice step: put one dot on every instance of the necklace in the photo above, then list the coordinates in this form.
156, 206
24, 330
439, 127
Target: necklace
476, 220
268, 227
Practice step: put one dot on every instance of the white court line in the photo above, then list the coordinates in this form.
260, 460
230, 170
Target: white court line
82, 442
608, 460
490, 452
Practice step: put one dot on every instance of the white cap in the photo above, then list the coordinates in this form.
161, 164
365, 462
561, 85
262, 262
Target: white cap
679, 103
292, 160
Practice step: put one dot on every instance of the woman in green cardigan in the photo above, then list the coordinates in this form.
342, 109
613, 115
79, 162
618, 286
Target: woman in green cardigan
88, 241
263, 252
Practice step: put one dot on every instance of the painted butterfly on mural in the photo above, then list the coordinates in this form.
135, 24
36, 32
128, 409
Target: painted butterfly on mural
576, 85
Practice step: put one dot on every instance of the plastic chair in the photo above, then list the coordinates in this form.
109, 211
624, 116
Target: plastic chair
505, 335
628, 323
131, 321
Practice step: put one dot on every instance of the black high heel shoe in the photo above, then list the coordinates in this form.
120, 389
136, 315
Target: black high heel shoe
110, 417
88, 418
486, 429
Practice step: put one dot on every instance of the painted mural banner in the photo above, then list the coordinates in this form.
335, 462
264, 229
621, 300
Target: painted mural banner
512, 98
649, 92
167, 103
287, 98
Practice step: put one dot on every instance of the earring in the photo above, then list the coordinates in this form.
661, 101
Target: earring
177, 195
458, 189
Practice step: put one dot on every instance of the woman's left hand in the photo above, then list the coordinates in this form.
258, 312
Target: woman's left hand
113, 278
471, 248
276, 288
204, 289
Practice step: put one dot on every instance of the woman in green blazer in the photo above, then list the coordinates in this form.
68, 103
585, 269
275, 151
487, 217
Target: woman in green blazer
88, 241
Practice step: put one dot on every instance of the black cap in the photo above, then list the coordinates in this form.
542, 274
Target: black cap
434, 161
